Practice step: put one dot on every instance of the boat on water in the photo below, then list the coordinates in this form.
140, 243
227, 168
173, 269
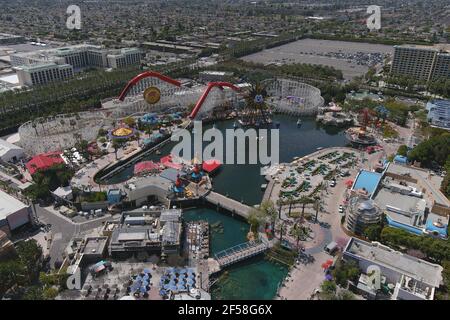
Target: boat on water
158, 152
235, 125
299, 122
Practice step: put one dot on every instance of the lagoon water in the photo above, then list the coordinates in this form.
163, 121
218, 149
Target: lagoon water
255, 278
243, 182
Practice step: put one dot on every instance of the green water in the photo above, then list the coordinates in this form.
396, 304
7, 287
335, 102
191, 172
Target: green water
255, 278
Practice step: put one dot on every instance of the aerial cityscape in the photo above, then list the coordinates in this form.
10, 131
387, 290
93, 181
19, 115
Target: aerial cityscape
224, 150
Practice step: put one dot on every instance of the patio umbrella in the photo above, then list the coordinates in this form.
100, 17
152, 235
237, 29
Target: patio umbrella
329, 277
181, 287
190, 281
349, 183
173, 288
172, 283
143, 290
147, 270
162, 292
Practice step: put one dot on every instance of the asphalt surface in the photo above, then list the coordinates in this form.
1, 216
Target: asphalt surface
62, 231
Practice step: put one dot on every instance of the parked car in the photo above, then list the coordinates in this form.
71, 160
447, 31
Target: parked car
341, 209
331, 248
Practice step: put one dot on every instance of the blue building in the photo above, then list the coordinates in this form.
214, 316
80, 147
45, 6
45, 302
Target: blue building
114, 196
439, 113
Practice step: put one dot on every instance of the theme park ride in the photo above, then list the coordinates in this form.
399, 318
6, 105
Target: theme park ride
160, 93
359, 135
202, 108
255, 112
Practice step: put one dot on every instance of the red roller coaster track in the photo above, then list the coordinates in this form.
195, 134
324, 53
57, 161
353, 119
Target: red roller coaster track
147, 74
202, 99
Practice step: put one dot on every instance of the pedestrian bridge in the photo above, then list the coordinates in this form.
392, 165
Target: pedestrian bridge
240, 252
228, 204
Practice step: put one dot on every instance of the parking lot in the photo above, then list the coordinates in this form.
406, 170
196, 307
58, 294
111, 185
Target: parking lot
353, 58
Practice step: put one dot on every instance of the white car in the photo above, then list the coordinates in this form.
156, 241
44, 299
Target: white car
341, 209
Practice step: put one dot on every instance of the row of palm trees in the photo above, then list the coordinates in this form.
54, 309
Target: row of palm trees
268, 213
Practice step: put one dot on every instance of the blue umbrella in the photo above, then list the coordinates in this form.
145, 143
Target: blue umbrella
173, 288
162, 292
172, 283
191, 276
182, 276
145, 283
146, 270
181, 287
166, 286
183, 271
143, 289
134, 288
190, 281
146, 277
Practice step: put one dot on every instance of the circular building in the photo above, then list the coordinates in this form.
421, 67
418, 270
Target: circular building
361, 213
60, 132
294, 97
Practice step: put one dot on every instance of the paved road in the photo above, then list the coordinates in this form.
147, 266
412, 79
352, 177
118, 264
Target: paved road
63, 230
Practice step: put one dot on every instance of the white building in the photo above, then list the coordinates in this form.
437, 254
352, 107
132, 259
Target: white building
13, 213
43, 66
408, 278
10, 152
39, 74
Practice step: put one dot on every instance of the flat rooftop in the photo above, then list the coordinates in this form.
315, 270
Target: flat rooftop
95, 245
422, 176
385, 197
438, 46
367, 180
415, 268
9, 205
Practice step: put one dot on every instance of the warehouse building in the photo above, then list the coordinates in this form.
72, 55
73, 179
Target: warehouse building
13, 213
10, 152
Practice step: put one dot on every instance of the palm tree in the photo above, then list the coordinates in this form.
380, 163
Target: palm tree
304, 200
297, 232
290, 201
268, 210
254, 219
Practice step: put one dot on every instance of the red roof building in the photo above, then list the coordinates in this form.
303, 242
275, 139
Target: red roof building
167, 161
211, 165
146, 167
44, 161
